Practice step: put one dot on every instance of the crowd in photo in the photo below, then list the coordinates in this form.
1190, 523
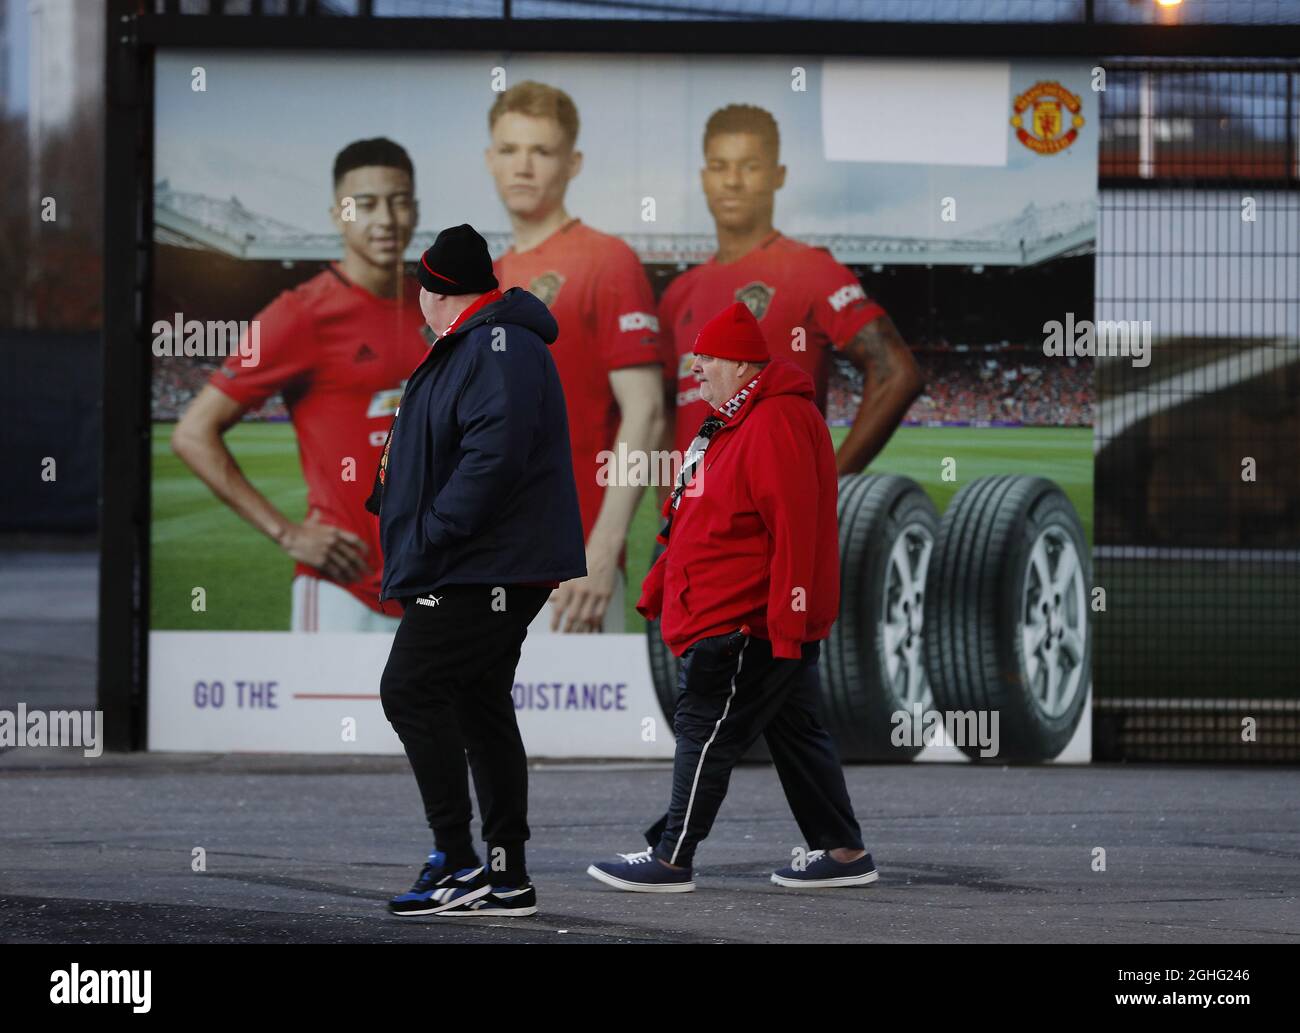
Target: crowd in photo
1010, 386
1017, 386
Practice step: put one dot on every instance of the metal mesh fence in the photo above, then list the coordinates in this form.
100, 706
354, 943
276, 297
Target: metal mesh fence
1197, 654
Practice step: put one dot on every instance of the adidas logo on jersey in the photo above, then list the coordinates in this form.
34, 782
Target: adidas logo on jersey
364, 354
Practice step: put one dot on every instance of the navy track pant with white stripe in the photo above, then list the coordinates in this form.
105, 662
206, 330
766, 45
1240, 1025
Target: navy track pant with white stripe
731, 690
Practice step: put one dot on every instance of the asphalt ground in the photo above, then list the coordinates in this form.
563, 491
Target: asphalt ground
304, 849
307, 849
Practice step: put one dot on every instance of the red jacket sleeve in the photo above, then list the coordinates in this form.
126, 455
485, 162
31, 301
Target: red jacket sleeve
784, 489
651, 603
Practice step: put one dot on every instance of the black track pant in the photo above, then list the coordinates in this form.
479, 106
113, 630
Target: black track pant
446, 690
731, 690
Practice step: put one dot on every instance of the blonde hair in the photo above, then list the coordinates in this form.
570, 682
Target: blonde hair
540, 101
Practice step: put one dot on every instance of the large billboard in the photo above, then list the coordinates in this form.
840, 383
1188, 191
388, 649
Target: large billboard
857, 206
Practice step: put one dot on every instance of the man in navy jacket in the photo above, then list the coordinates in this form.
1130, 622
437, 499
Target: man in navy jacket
478, 521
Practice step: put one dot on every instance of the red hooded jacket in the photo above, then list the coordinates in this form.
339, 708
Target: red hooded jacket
758, 545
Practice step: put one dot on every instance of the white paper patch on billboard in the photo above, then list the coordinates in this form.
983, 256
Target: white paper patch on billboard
921, 112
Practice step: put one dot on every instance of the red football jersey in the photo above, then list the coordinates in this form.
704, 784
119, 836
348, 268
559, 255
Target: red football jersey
340, 356
786, 284
596, 289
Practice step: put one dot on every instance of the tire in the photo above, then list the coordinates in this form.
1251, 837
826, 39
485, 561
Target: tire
994, 640
872, 665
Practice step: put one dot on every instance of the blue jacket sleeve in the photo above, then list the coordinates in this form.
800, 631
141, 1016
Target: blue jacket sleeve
497, 411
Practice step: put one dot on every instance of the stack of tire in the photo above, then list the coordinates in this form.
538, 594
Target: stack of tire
984, 610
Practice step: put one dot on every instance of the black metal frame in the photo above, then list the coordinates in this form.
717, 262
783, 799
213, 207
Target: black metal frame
885, 39
125, 480
132, 42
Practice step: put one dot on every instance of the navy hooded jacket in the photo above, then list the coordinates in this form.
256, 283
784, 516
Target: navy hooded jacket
478, 484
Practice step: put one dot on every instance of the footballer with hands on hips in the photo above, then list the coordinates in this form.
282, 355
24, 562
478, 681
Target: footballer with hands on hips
339, 348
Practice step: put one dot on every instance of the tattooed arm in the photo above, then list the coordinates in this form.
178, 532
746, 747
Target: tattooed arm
891, 381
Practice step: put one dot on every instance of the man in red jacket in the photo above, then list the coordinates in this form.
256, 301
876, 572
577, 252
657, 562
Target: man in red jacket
746, 589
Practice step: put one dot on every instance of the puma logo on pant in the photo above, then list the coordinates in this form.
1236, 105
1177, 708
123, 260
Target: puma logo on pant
429, 600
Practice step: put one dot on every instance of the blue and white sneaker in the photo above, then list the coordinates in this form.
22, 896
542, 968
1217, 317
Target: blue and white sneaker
821, 871
642, 873
501, 902
437, 889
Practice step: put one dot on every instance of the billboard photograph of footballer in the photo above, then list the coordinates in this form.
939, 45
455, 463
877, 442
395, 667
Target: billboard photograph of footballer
337, 348
608, 349
920, 337
807, 303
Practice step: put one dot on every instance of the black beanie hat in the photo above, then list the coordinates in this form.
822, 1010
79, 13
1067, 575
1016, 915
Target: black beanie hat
457, 263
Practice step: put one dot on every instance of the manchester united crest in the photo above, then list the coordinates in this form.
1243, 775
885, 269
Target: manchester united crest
1053, 121
756, 296
547, 287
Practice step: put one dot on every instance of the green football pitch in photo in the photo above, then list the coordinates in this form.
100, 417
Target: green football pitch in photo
197, 541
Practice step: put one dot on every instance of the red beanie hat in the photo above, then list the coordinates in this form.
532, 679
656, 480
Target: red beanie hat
732, 334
